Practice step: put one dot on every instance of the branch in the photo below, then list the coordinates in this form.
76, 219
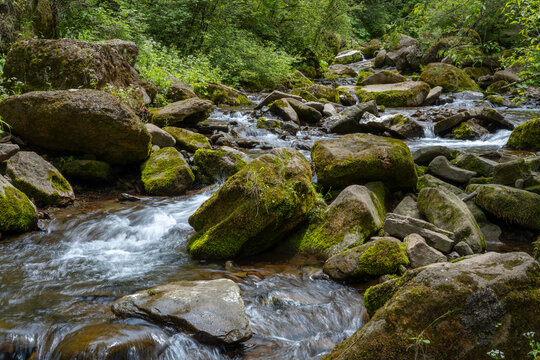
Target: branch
519, 82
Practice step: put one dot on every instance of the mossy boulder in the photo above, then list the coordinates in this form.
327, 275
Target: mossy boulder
39, 179
306, 114
166, 172
383, 77
362, 158
348, 57
87, 171
298, 80
480, 165
363, 74
370, 49
216, 165
188, 140
469, 130
78, 122
184, 113
318, 93
526, 169
224, 95
180, 91
476, 73
255, 208
526, 136
378, 257
464, 309
449, 77
17, 213
403, 94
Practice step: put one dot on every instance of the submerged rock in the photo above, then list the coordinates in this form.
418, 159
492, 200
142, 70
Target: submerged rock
166, 172
17, 213
184, 113
403, 94
211, 310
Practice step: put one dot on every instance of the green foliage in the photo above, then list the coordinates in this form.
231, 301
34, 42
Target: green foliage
534, 345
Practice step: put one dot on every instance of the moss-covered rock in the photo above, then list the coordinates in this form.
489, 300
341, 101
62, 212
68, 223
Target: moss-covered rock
166, 172
299, 80
224, 95
526, 136
480, 165
17, 213
216, 165
348, 57
403, 94
383, 77
469, 130
497, 87
370, 49
448, 76
188, 140
283, 109
184, 113
87, 171
376, 296
375, 258
362, 158
255, 207
318, 93
362, 75
476, 73
526, 169
180, 91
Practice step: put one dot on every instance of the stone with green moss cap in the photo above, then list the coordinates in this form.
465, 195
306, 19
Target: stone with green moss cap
184, 113
17, 213
526, 136
448, 76
362, 158
224, 95
318, 92
526, 169
215, 165
87, 171
255, 208
403, 94
166, 172
188, 140
39, 179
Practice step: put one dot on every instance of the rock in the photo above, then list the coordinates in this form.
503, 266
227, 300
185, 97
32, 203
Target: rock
212, 310
447, 211
185, 113
341, 70
425, 155
127, 49
209, 127
329, 110
160, 137
378, 257
319, 106
87, 171
188, 140
384, 77
469, 130
255, 207
283, 109
276, 95
449, 77
476, 73
361, 158
216, 165
499, 87
225, 95
380, 60
348, 57
464, 309
348, 121
402, 127
440, 166
404, 94
498, 100
480, 165
509, 204
527, 169
526, 136
370, 49
166, 172
277, 126
17, 213
299, 80
420, 253
7, 151
405, 55
78, 121
407, 207
318, 93
67, 64
305, 113
111, 341
180, 91
352, 218
489, 115
506, 75
38, 179
463, 249
433, 96
402, 226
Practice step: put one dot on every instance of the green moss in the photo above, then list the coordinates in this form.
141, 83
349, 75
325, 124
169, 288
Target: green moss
376, 296
214, 165
463, 132
383, 257
263, 123
393, 98
87, 171
481, 180
17, 213
421, 170
188, 140
449, 77
166, 172
496, 87
362, 75
526, 136
496, 99
41, 197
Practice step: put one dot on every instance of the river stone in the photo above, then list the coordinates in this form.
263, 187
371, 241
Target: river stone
424, 156
403, 94
491, 116
180, 91
469, 130
402, 226
274, 96
166, 172
212, 310
480, 165
318, 93
401, 126
407, 207
433, 96
255, 208
348, 121
465, 309
447, 211
184, 113
383, 77
378, 257
361, 158
17, 213
283, 109
449, 77
159, 136
348, 57
440, 166
224, 95
111, 341
420, 253
526, 169
305, 113
39, 179
78, 121
127, 49
7, 151
319, 106
526, 136
188, 140
341, 70
329, 110
217, 165
87, 171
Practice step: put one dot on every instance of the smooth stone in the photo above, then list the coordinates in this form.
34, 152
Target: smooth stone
440, 166
160, 137
420, 253
7, 151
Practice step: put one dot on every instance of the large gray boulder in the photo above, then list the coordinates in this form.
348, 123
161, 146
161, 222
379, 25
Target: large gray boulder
212, 310
441, 167
348, 121
184, 113
17, 213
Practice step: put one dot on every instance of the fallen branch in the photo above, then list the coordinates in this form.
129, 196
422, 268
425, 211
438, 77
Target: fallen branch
519, 82
470, 196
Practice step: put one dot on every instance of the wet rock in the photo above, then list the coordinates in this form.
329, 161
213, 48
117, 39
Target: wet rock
184, 113
526, 136
39, 179
375, 258
480, 165
420, 253
440, 166
209, 127
506, 75
341, 70
225, 95
283, 109
402, 127
361, 158
166, 172
348, 57
424, 156
433, 96
498, 100
404, 94
447, 211
449, 77
469, 130
7, 151
78, 121
180, 91
214, 165
188, 140
306, 114
87, 171
370, 49
527, 170
160, 137
274, 96
17, 213
255, 207
380, 59
384, 77
402, 226
319, 106
16, 346
212, 310
489, 115
329, 110
318, 93
463, 249
407, 207
463, 308
348, 121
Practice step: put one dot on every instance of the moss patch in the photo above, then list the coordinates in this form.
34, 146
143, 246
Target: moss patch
166, 172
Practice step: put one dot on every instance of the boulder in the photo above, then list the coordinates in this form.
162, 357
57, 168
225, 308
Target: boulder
17, 213
216, 165
405, 54
38, 179
87, 171
469, 130
378, 257
361, 158
127, 49
188, 140
433, 95
380, 59
277, 126
254, 208
370, 49
464, 309
306, 114
425, 155
402, 127
340, 70
274, 96
445, 210
180, 91
420, 253
526, 136
506, 75
329, 110
384, 77
491, 117
348, 57
7, 151
184, 113
407, 207
449, 77
440, 166
404, 94
318, 93
348, 121
160, 137
166, 172
211, 310
283, 109
526, 170
225, 95
78, 121
480, 165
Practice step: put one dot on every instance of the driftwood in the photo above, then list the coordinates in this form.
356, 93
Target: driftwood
470, 196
